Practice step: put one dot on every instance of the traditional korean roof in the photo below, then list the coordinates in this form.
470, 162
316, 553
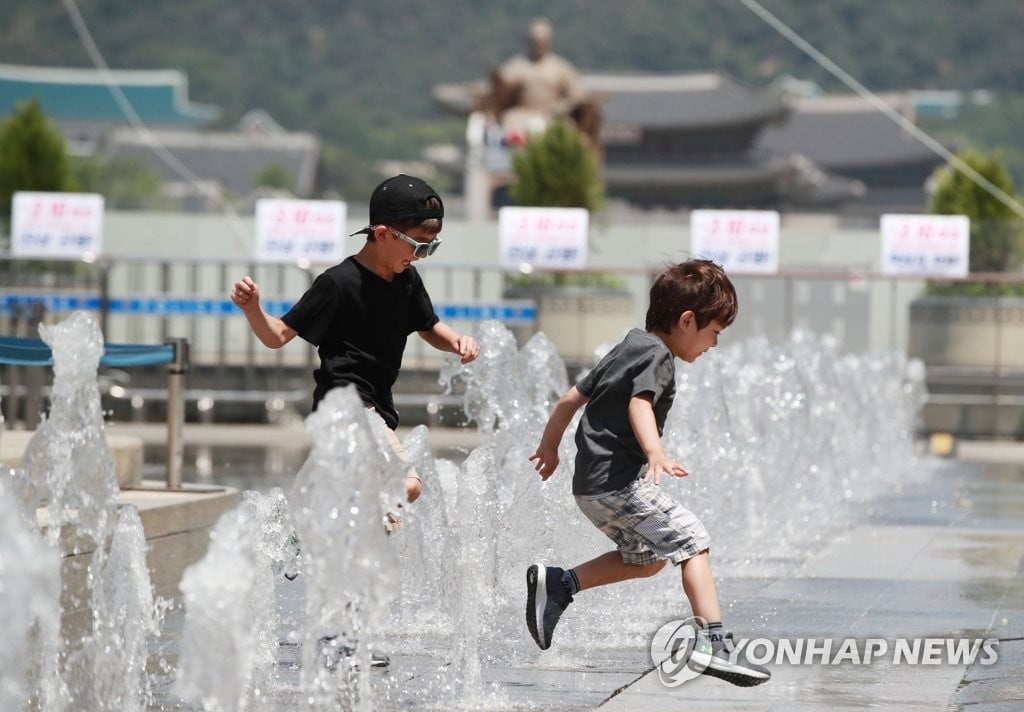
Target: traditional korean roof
681, 101
233, 160
845, 133
159, 97
690, 100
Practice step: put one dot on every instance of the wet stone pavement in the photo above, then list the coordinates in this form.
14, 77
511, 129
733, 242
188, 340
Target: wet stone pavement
941, 559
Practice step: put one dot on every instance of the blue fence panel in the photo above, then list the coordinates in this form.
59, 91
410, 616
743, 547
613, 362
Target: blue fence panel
508, 312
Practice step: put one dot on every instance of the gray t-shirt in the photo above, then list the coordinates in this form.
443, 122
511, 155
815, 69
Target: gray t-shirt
608, 455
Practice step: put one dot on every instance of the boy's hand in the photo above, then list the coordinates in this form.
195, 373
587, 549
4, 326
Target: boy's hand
245, 292
413, 487
467, 348
662, 464
547, 461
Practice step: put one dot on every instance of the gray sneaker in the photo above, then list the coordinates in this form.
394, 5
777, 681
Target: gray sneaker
546, 600
721, 659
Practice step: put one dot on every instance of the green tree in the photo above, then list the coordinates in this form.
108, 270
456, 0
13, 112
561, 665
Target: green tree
557, 169
33, 155
276, 176
997, 237
124, 183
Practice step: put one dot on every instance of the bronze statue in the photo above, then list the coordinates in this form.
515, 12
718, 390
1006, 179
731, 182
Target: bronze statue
528, 91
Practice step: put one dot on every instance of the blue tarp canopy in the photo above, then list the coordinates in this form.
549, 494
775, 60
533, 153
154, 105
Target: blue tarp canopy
35, 352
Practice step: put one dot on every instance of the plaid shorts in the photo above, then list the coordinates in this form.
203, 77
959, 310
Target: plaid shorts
646, 524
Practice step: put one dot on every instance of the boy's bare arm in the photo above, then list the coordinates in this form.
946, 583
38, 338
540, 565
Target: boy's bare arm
645, 428
270, 330
444, 338
547, 452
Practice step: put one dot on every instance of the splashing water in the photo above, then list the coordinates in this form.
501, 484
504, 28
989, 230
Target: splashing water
229, 643
788, 441
783, 442
30, 601
338, 506
94, 661
108, 671
67, 461
765, 431
337, 510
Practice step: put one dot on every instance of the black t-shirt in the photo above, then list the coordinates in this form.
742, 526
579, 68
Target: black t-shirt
359, 323
608, 455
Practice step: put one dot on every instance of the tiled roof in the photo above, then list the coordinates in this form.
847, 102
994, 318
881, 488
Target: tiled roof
681, 174
681, 101
844, 132
653, 100
70, 94
233, 160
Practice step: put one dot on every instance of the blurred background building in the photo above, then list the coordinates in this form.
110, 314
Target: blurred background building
684, 108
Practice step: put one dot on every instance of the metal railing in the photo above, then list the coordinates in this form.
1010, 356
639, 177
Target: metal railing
154, 300
151, 300
34, 353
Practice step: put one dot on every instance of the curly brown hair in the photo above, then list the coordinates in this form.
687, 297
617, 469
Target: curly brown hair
700, 286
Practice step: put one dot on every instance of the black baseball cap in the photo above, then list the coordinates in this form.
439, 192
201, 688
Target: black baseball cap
401, 197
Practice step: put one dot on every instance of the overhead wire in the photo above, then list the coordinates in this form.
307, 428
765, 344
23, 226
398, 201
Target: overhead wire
135, 121
839, 73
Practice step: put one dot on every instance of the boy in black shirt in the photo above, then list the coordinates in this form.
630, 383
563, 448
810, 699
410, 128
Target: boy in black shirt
360, 312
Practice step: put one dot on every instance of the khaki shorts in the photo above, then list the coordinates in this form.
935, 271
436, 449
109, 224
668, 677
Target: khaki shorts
396, 445
393, 518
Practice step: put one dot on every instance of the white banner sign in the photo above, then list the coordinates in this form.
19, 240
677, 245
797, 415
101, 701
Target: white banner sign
738, 240
292, 230
926, 245
57, 224
554, 238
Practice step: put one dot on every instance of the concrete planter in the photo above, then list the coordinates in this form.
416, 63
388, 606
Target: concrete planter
125, 450
973, 348
579, 319
974, 332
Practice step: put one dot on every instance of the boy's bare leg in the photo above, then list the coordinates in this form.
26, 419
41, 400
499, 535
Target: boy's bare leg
610, 568
714, 651
699, 587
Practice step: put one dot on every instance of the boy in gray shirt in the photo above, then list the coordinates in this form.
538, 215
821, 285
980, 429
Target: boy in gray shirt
620, 458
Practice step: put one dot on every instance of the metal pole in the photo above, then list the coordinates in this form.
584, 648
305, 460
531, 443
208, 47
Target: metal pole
104, 266
16, 399
893, 309
997, 314
34, 375
176, 411
787, 312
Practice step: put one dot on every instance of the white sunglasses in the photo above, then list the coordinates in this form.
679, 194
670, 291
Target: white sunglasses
420, 249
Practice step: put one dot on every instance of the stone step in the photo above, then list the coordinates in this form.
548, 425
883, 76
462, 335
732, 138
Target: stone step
126, 451
177, 526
